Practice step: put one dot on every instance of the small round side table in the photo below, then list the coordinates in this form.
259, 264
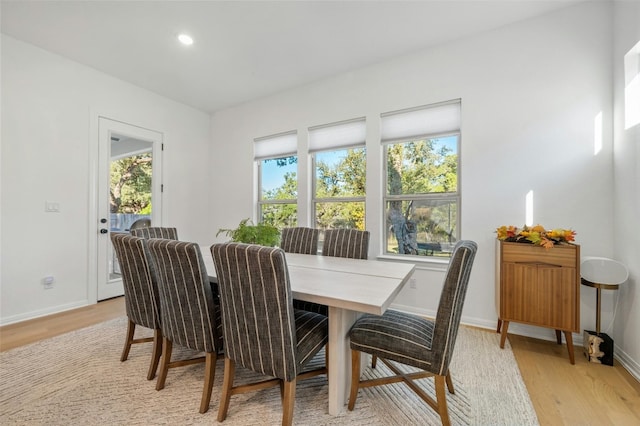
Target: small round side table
599, 287
601, 273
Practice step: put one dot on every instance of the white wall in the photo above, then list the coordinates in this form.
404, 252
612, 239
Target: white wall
627, 193
530, 94
48, 103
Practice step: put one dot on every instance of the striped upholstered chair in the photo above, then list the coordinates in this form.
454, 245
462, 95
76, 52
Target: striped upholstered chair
189, 315
262, 331
304, 241
299, 240
415, 341
351, 243
156, 232
140, 295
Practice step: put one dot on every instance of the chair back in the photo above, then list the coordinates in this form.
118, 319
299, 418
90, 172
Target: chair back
186, 300
141, 297
144, 222
350, 243
451, 303
257, 308
299, 240
156, 232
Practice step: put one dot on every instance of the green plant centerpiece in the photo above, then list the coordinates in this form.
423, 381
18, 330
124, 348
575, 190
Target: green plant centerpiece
247, 232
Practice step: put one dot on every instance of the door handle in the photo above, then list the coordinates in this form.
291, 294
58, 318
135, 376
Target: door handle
103, 231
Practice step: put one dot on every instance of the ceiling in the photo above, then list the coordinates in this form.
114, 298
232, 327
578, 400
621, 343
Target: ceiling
246, 50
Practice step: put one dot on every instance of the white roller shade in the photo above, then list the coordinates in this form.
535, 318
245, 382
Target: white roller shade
419, 122
276, 146
338, 135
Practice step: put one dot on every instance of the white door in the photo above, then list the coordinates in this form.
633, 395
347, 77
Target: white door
129, 189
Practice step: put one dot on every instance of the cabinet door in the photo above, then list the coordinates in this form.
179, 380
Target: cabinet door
518, 286
539, 294
556, 297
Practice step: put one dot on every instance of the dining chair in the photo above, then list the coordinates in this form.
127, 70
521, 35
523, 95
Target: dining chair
262, 331
141, 298
415, 341
156, 232
304, 241
299, 240
350, 243
189, 316
144, 222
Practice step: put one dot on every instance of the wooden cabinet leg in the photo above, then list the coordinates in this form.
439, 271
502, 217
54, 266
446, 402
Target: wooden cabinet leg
503, 336
558, 337
499, 326
568, 336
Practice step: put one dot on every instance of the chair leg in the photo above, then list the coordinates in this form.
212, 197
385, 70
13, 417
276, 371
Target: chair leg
355, 378
374, 361
131, 328
450, 383
441, 397
289, 402
155, 355
209, 375
227, 384
167, 347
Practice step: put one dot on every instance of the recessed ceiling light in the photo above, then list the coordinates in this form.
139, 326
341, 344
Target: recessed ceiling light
185, 39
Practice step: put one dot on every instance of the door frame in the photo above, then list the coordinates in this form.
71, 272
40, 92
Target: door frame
101, 127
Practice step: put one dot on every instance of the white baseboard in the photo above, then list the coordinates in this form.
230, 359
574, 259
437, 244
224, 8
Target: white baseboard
627, 362
542, 333
43, 312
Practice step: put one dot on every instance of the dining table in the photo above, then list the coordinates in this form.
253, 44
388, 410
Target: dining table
349, 287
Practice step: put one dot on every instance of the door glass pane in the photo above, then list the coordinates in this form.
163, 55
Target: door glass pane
130, 188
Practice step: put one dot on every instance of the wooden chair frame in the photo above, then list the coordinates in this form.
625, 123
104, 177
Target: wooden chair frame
439, 405
157, 347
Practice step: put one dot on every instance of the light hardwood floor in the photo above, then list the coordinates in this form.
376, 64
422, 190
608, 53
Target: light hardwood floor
562, 394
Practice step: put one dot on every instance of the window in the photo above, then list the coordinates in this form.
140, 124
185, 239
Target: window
277, 179
422, 198
339, 174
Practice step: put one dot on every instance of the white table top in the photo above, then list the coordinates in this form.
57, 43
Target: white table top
357, 285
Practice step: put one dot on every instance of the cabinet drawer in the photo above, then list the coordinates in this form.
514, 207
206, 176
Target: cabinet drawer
561, 255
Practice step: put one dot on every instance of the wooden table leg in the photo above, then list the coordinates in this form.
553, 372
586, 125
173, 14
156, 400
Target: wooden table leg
558, 337
499, 326
568, 336
503, 336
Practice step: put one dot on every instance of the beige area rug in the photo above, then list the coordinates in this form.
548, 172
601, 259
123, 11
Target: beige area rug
78, 379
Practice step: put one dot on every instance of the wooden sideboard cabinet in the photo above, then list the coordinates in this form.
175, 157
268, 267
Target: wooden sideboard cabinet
540, 287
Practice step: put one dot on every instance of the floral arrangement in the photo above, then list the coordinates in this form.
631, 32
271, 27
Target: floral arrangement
536, 235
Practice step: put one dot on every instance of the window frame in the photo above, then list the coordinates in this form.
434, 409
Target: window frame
261, 200
437, 196
314, 178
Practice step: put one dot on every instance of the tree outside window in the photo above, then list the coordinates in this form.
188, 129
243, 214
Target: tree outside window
130, 190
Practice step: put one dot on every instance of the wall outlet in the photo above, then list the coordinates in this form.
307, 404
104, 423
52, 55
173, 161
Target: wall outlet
48, 281
412, 283
52, 207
